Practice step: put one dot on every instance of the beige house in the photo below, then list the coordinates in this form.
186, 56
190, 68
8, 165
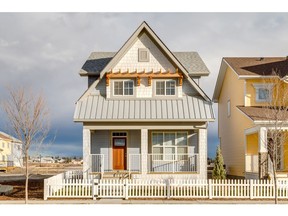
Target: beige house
144, 112
244, 91
10, 151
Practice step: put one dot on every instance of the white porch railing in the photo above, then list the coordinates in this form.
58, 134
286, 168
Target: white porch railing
251, 163
173, 162
97, 163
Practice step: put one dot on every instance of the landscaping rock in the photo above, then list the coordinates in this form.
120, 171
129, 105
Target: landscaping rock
6, 189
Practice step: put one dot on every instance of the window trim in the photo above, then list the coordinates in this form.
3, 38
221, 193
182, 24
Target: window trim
268, 86
123, 80
174, 146
165, 81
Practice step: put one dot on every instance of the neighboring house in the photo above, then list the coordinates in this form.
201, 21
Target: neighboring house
143, 111
243, 93
10, 151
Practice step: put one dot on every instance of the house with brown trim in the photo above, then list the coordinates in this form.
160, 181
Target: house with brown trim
143, 112
249, 107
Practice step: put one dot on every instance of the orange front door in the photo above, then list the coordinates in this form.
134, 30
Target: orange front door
119, 153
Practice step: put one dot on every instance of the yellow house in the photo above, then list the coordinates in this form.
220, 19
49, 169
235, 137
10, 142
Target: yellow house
10, 151
245, 90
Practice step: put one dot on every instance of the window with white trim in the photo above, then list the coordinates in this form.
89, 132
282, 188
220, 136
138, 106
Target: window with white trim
123, 87
263, 92
169, 146
165, 87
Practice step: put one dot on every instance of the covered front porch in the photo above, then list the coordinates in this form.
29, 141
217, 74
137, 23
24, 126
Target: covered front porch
258, 165
145, 153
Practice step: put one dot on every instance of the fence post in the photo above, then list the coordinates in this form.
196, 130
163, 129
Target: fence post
126, 189
168, 188
210, 189
95, 189
251, 188
46, 188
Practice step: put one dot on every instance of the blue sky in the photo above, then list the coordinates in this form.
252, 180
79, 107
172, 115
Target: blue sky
45, 51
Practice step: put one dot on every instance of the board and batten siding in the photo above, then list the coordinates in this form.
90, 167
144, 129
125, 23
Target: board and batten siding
100, 144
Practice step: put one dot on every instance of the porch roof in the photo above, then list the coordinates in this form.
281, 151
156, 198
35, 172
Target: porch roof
262, 113
187, 108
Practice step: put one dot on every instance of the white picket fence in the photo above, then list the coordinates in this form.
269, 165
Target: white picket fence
59, 187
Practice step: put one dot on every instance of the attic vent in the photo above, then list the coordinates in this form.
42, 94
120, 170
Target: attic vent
143, 55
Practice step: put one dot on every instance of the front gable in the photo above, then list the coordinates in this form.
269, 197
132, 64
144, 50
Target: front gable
160, 79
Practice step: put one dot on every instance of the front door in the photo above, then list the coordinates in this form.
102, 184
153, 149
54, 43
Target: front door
119, 153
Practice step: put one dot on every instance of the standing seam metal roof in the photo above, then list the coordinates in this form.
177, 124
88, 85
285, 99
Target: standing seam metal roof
188, 108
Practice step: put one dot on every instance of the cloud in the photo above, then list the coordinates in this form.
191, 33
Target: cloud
46, 51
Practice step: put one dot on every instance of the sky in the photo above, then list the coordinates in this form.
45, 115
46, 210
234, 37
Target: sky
45, 51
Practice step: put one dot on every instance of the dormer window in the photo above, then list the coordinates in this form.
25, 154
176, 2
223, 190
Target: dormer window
165, 87
123, 87
263, 92
143, 55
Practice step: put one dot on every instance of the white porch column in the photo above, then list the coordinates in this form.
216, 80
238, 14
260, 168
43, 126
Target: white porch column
262, 142
144, 150
86, 149
202, 154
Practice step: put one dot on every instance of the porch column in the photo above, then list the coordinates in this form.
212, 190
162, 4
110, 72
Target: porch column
144, 150
86, 149
263, 153
202, 145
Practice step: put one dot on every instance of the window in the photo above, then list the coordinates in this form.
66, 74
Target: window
123, 87
263, 92
143, 55
165, 87
228, 108
169, 146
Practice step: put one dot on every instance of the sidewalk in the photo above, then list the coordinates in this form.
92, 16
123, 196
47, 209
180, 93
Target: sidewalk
141, 202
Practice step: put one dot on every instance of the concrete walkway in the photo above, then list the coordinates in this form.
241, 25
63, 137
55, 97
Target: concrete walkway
141, 202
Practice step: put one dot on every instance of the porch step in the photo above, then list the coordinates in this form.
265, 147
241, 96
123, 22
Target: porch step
116, 175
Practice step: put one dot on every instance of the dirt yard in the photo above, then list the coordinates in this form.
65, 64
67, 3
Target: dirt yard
15, 177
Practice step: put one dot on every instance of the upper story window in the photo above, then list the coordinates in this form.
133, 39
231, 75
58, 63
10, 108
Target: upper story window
263, 92
123, 87
165, 87
143, 55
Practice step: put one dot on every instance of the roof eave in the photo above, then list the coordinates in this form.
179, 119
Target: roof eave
144, 120
220, 79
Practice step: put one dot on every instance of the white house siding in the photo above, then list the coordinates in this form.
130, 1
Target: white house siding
144, 90
130, 59
100, 144
86, 149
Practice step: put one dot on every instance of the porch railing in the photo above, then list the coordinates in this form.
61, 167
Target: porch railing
97, 163
251, 163
173, 162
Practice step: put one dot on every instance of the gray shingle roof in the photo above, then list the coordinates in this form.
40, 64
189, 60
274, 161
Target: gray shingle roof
187, 108
190, 60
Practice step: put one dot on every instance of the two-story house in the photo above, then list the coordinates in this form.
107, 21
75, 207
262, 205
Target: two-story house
10, 151
143, 111
247, 92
